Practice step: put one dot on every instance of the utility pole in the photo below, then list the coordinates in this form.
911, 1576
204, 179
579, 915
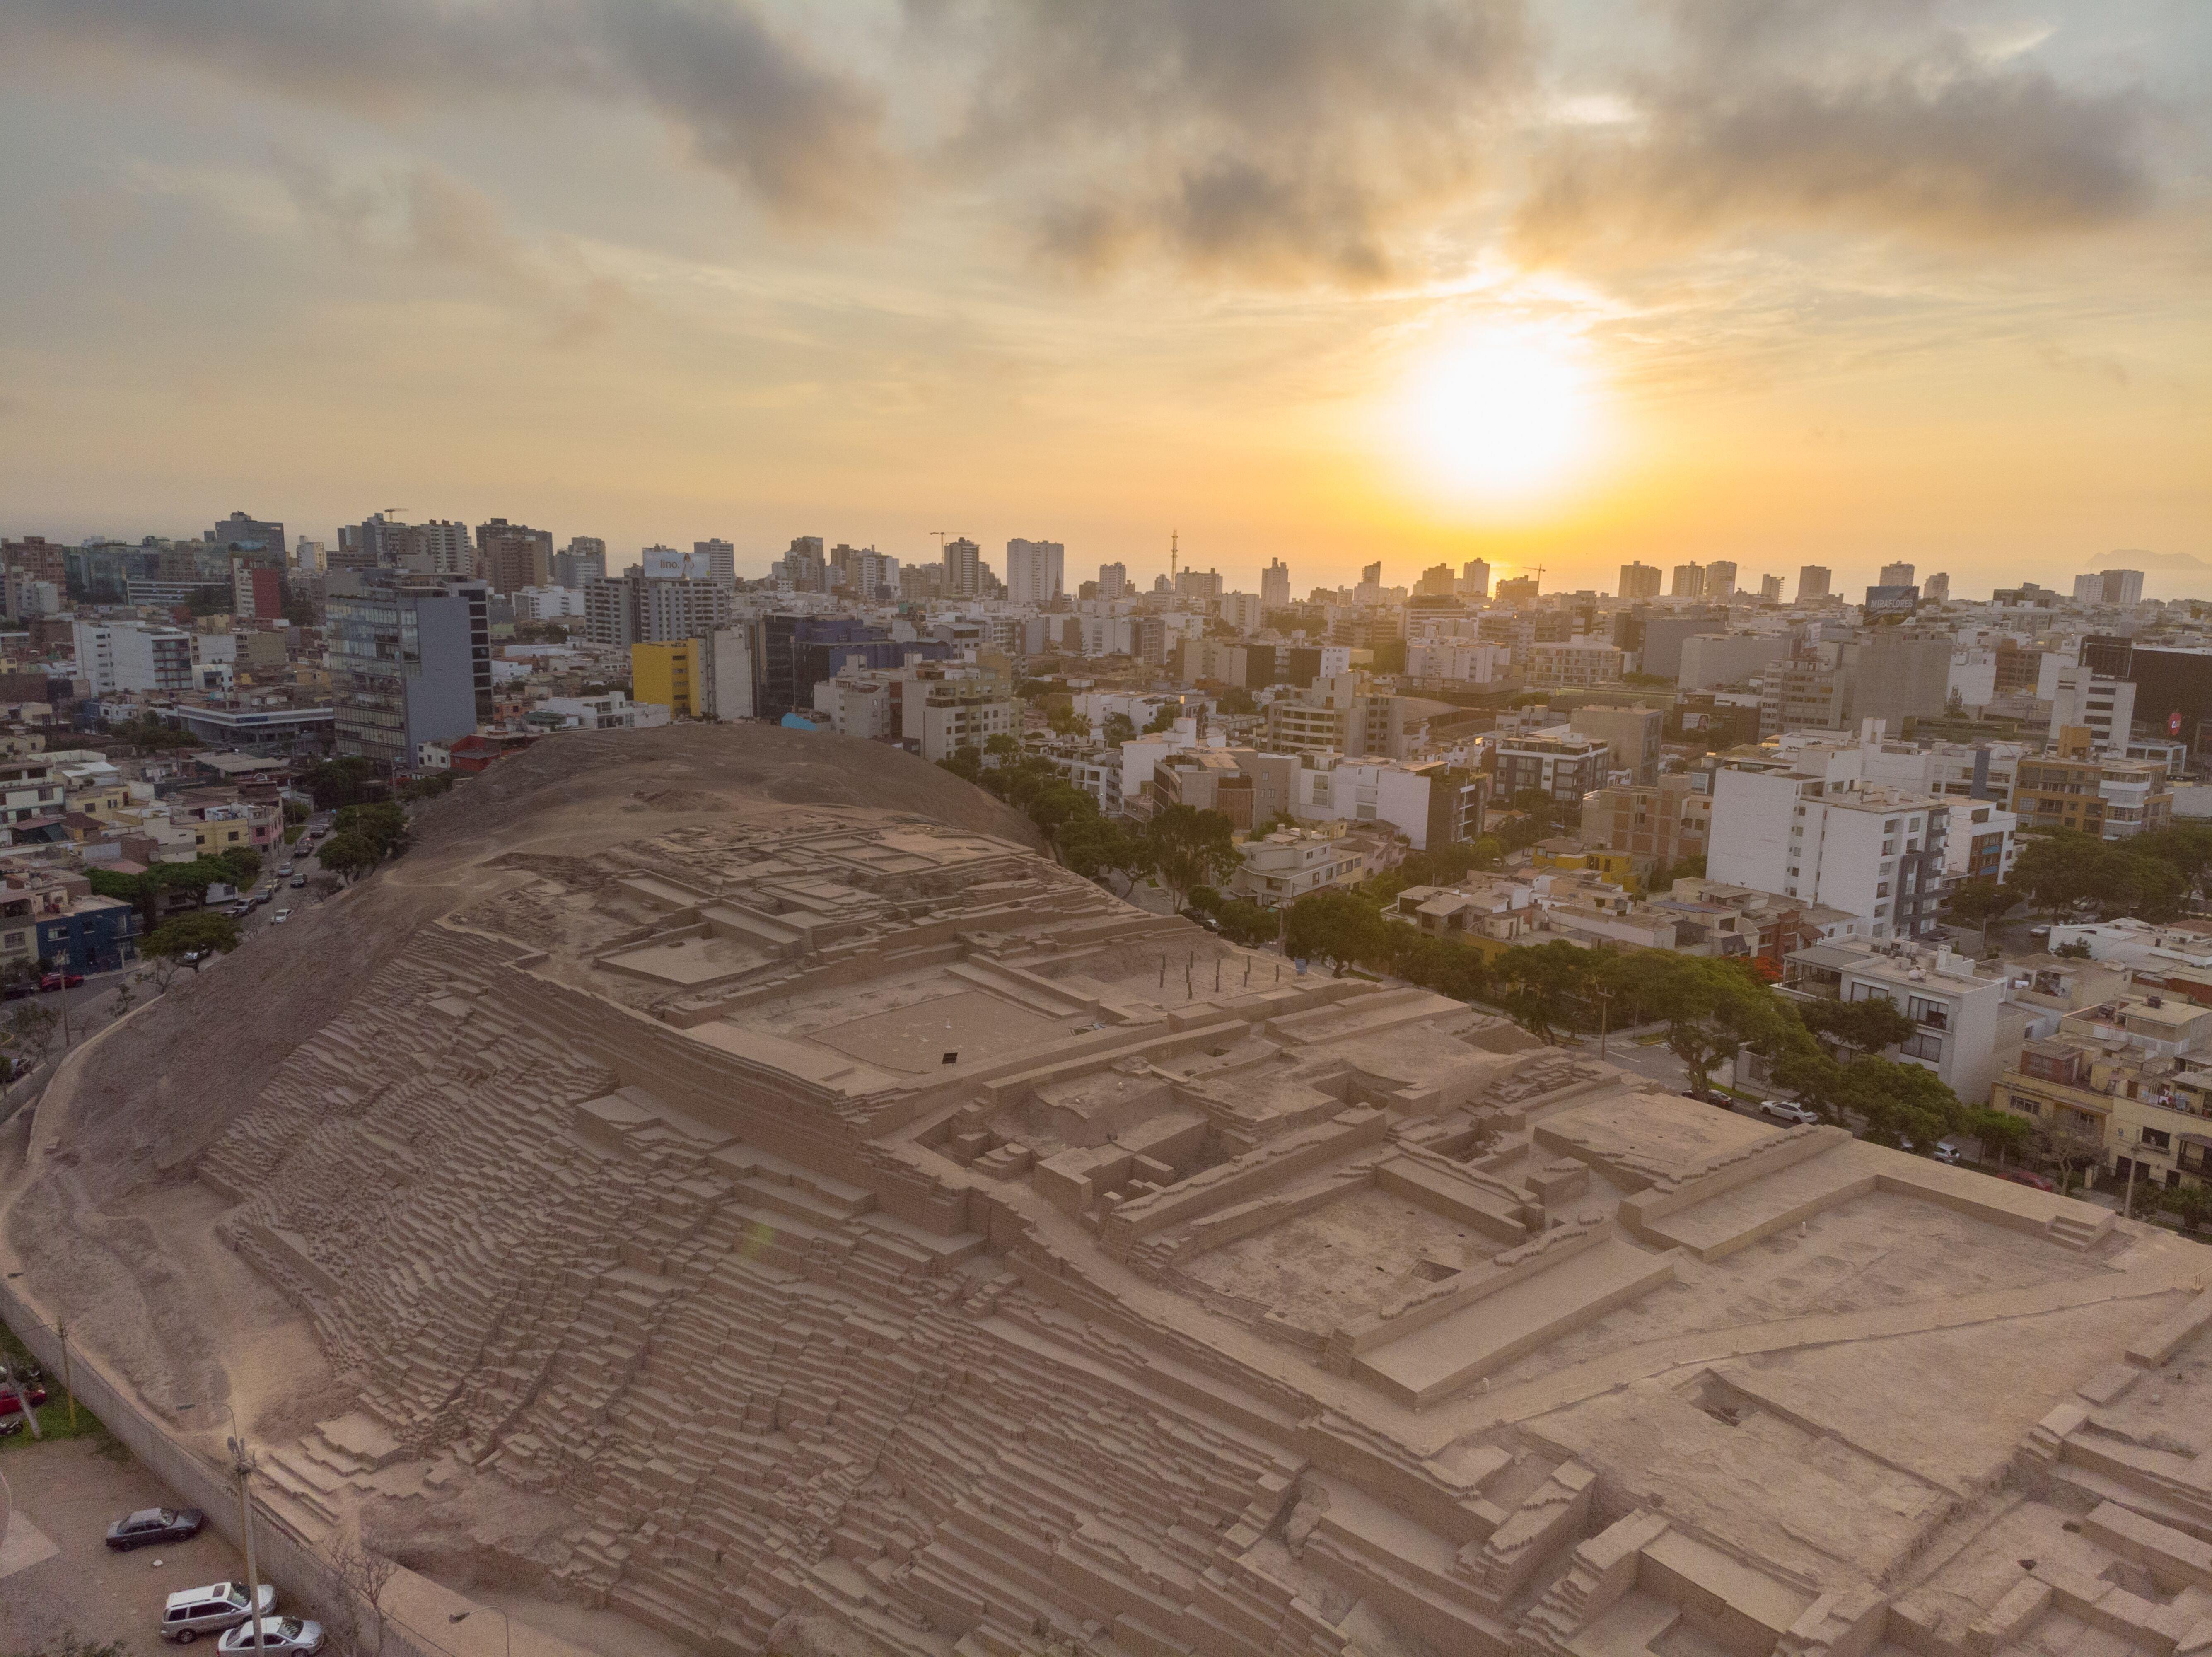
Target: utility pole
241, 1464
1604, 1016
2128, 1203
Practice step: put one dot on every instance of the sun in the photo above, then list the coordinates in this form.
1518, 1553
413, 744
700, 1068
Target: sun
1503, 417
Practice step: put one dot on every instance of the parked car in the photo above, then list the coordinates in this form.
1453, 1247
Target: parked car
283, 868
11, 1402
282, 1634
280, 917
2038, 1181
299, 880
63, 980
192, 1613
155, 1525
17, 992
1948, 1152
2039, 932
1789, 1110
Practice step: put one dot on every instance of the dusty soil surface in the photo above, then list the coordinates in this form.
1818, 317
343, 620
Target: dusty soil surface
69, 1492
151, 1094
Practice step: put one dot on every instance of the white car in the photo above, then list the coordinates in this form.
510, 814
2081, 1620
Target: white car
282, 1634
280, 917
192, 1613
1788, 1110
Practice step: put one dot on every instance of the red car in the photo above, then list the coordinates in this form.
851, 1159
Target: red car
2021, 1176
10, 1403
61, 981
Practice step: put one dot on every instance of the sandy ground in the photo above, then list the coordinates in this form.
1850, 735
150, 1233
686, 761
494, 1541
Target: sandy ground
69, 1492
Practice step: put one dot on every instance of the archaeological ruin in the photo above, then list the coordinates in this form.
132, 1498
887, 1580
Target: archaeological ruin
733, 1183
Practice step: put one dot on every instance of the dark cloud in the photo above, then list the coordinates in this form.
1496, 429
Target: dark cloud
803, 138
1880, 116
1266, 137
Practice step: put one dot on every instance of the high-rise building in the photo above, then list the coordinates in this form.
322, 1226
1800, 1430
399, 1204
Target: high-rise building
1639, 580
803, 566
584, 560
1770, 589
1373, 575
310, 556
1720, 579
666, 564
635, 608
718, 558
1274, 585
1436, 582
375, 543
1899, 574
865, 574
1937, 589
439, 547
963, 568
1812, 582
1201, 585
2110, 587
257, 591
1475, 572
239, 534
511, 555
409, 660
1113, 581
1035, 572
1689, 581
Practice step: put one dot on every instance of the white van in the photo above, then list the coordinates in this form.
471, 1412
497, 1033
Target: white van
219, 1605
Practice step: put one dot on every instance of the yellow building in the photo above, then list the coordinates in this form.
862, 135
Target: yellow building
667, 674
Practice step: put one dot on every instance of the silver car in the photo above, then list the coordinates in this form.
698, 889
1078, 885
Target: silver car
191, 1612
279, 1635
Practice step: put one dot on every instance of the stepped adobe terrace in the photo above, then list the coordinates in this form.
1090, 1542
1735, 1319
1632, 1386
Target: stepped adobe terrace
833, 1216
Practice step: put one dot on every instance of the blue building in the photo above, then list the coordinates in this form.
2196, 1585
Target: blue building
93, 935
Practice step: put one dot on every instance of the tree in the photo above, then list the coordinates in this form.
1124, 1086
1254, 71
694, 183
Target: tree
2077, 950
383, 824
202, 932
1901, 1102
345, 781
1164, 719
1190, 847
1120, 728
1002, 746
1236, 699
2001, 1130
1542, 985
30, 1033
1712, 1008
2189, 1204
2054, 871
1871, 1026
1978, 902
363, 1575
1335, 925
1102, 849
348, 856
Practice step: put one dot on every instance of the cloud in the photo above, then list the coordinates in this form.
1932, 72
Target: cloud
1880, 117
1266, 138
803, 139
424, 218
2136, 558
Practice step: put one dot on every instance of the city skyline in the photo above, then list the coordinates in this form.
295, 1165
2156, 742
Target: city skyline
1769, 283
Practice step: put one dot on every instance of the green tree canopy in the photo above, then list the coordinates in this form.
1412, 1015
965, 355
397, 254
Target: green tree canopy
1190, 847
1335, 925
201, 933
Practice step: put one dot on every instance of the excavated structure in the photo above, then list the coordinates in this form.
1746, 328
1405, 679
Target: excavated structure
827, 1213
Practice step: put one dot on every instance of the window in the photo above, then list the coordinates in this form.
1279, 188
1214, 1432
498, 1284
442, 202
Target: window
2026, 1106
1930, 1047
2154, 1138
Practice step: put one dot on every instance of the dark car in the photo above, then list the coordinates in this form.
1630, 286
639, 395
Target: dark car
10, 1403
155, 1525
17, 992
61, 981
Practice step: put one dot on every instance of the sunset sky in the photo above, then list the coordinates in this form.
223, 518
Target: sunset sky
1568, 284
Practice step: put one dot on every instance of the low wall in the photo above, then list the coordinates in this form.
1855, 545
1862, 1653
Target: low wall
1364, 1334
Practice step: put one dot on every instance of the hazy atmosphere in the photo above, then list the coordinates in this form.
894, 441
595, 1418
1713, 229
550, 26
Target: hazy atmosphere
1771, 280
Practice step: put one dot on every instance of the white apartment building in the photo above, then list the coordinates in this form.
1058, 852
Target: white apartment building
709, 561
954, 713
1955, 1008
1874, 853
1422, 801
1576, 662
123, 657
1274, 585
1113, 581
612, 711
1288, 863
548, 604
1034, 571
1718, 659
2077, 696
1460, 660
1241, 611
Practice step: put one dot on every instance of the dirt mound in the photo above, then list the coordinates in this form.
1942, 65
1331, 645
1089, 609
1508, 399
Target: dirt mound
150, 1096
